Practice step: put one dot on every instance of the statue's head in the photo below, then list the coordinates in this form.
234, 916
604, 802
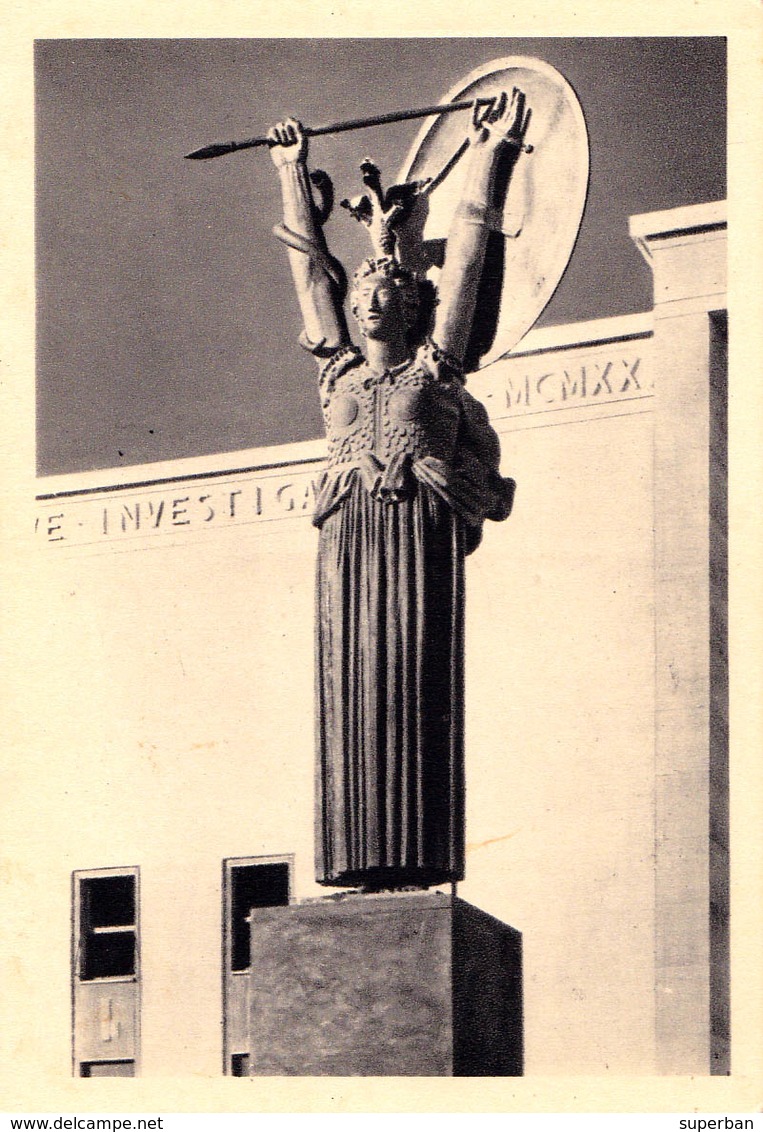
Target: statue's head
389, 301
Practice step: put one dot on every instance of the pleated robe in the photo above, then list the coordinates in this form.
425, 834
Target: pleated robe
390, 691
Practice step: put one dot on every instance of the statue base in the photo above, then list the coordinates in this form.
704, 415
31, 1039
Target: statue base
408, 984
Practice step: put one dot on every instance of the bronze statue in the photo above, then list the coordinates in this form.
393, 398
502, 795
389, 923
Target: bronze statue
413, 472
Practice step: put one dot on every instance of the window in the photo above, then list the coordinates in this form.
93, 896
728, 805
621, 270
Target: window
105, 972
107, 926
252, 886
248, 882
239, 1065
107, 1069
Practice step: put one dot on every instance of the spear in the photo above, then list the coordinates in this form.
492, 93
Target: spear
219, 149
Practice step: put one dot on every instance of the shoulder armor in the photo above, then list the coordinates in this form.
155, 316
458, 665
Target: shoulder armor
343, 359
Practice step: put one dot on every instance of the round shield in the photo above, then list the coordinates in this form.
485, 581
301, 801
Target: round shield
535, 231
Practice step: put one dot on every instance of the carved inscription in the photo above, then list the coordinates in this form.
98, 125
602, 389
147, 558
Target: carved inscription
587, 381
150, 512
544, 384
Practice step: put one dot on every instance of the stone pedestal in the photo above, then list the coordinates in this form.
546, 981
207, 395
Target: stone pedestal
404, 984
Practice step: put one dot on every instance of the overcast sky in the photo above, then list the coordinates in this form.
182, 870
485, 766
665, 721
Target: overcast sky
167, 323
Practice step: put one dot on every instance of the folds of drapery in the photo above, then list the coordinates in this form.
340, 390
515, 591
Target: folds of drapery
389, 674
470, 487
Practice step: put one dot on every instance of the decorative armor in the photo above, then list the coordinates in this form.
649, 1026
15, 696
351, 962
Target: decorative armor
406, 410
414, 423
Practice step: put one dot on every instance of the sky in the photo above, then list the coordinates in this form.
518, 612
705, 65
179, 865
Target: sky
166, 319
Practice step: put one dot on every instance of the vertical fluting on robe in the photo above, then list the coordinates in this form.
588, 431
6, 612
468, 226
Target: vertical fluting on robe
390, 694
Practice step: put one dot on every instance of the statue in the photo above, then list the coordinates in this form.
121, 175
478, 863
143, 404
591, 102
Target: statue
413, 472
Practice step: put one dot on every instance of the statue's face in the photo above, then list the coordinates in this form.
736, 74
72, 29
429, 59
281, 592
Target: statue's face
378, 308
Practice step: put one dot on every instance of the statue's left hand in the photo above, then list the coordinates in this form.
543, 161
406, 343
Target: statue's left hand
503, 124
287, 142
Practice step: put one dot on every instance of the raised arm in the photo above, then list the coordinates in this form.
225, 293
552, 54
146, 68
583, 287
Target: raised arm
318, 278
495, 138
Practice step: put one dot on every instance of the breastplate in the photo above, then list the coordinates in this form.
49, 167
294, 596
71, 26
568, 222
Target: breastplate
403, 411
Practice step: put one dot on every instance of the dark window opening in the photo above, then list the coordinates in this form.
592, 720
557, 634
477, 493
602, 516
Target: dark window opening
110, 901
253, 886
107, 927
107, 1069
239, 1065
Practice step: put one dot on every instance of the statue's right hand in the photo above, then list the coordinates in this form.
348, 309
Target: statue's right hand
287, 142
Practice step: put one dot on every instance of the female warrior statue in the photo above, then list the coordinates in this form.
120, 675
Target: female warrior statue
412, 474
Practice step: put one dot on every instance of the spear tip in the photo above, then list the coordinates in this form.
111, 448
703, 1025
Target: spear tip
216, 150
